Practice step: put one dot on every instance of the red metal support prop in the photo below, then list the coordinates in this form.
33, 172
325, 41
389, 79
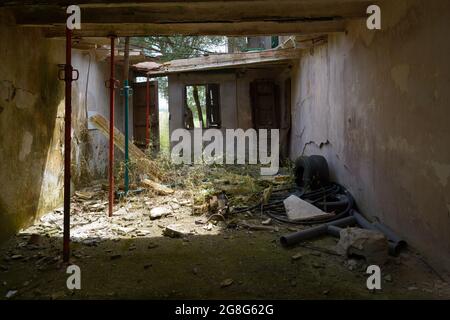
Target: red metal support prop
112, 86
147, 115
68, 78
67, 144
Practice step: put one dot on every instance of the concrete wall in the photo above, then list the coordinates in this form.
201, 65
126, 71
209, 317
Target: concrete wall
90, 96
89, 147
32, 125
375, 103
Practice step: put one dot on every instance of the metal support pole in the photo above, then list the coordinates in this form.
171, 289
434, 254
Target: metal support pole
126, 93
67, 144
112, 86
68, 78
147, 115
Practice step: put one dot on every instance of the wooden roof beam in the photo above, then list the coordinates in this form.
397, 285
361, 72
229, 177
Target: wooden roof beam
197, 12
221, 61
144, 3
229, 29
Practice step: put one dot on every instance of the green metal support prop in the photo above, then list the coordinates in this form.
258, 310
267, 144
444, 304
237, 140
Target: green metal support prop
126, 92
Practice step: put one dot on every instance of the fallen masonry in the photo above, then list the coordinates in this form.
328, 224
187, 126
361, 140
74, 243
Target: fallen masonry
369, 244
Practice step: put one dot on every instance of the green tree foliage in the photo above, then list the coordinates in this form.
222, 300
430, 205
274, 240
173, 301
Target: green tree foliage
191, 103
179, 47
166, 48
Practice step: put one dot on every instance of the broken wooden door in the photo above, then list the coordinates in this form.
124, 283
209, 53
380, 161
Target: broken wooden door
265, 101
139, 115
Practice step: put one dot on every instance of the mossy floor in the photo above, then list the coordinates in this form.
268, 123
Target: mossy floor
161, 268
252, 264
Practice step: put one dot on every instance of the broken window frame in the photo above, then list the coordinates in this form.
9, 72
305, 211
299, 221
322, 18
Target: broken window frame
212, 106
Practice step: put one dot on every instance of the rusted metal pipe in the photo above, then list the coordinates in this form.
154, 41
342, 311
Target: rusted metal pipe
112, 86
147, 115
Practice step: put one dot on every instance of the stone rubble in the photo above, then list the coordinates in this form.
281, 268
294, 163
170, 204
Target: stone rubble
371, 245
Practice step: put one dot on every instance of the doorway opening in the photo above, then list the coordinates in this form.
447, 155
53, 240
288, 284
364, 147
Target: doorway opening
202, 106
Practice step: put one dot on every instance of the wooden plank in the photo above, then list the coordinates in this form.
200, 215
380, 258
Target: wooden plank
220, 61
158, 188
138, 157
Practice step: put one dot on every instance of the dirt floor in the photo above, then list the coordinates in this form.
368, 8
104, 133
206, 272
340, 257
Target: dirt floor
129, 256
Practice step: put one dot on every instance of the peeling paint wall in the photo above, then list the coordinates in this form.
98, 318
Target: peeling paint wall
31, 100
375, 103
89, 96
32, 126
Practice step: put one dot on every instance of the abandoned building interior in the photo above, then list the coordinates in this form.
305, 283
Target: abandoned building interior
85, 167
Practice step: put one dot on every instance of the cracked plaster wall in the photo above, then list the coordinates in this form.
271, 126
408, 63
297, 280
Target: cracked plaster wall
32, 126
375, 104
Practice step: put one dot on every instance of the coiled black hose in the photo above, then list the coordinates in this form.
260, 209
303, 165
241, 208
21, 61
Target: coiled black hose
333, 196
321, 198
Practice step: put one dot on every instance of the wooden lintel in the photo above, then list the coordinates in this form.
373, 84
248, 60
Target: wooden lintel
225, 29
163, 12
152, 3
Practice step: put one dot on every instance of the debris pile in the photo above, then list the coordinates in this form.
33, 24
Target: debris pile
90, 223
368, 244
298, 209
137, 157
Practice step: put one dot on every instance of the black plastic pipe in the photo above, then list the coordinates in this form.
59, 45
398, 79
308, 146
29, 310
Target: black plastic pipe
334, 231
395, 242
296, 237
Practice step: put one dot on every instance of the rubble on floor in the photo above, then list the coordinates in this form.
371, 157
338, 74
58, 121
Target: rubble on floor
176, 230
137, 156
165, 211
145, 224
371, 245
